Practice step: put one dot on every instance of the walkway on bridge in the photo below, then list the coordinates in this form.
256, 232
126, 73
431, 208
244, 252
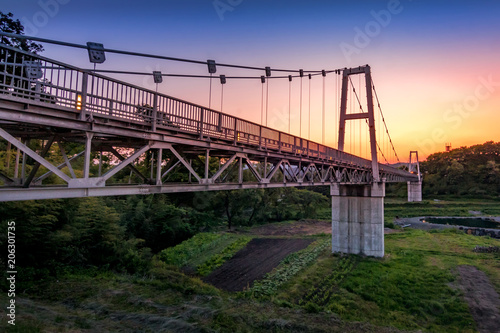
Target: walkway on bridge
77, 132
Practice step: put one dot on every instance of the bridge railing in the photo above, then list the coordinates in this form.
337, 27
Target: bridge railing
41, 79
51, 83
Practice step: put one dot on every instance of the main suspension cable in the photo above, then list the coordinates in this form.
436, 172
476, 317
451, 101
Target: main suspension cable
145, 55
385, 125
366, 121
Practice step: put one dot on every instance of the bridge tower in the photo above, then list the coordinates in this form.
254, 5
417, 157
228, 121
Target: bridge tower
358, 210
414, 188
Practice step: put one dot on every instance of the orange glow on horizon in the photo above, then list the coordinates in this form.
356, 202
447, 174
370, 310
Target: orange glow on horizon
419, 106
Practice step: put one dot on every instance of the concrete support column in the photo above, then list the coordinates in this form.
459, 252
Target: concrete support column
358, 219
414, 191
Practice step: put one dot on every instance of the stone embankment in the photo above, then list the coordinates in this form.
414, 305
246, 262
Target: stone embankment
481, 232
486, 249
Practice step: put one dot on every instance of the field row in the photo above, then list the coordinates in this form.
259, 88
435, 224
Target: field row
321, 293
287, 269
204, 252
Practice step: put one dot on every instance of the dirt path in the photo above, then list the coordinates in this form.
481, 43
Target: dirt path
483, 300
259, 257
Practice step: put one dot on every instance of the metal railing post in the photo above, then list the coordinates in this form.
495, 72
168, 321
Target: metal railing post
110, 107
279, 142
202, 113
38, 90
155, 112
219, 125
83, 111
260, 137
235, 131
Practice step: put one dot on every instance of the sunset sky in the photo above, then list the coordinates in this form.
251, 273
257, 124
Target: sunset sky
435, 64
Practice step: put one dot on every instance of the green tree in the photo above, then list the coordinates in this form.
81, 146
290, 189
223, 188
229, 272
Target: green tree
8, 24
307, 201
241, 207
96, 232
157, 221
13, 75
465, 171
35, 223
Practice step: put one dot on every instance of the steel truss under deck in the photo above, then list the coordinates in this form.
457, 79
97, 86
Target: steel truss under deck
110, 119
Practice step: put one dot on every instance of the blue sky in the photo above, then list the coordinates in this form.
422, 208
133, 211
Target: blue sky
429, 56
261, 31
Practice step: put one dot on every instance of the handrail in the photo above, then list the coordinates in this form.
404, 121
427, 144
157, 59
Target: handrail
100, 95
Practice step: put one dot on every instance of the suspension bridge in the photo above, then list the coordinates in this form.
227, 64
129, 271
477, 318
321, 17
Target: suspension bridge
71, 132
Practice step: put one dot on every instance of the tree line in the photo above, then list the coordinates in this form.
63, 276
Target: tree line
123, 233
465, 171
472, 172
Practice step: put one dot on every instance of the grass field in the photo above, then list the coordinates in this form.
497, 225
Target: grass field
204, 252
412, 288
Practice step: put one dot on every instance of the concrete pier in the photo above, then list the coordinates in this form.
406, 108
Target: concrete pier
358, 219
414, 191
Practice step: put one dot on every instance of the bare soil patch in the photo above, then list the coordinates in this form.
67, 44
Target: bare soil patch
300, 228
303, 227
251, 263
388, 231
483, 300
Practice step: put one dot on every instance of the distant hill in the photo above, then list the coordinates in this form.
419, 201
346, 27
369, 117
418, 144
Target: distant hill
400, 164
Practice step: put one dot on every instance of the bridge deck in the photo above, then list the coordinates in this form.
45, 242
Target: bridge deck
62, 104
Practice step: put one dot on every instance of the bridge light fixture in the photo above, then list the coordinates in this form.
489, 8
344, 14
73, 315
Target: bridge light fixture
268, 71
212, 68
96, 52
78, 102
157, 77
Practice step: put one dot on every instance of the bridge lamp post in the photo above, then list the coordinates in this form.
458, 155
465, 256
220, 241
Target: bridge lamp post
301, 74
262, 80
212, 69
268, 74
289, 102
